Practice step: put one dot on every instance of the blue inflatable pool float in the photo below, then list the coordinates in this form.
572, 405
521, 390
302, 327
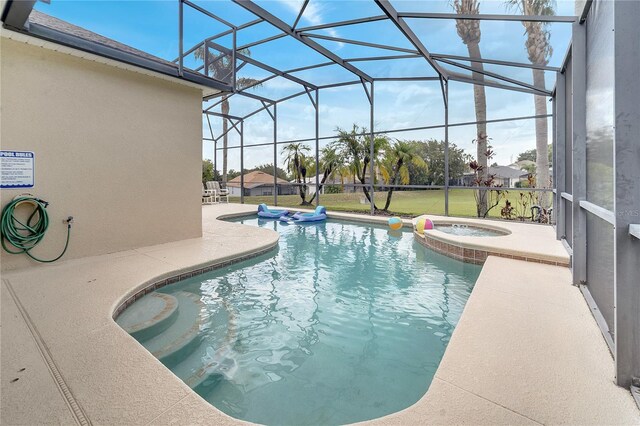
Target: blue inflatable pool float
318, 215
266, 212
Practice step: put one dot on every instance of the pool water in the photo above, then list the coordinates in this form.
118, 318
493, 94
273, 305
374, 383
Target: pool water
342, 323
468, 231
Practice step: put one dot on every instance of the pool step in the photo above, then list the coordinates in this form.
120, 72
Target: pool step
181, 338
207, 365
149, 316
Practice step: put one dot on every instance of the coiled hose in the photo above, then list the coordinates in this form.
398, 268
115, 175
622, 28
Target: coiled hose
24, 237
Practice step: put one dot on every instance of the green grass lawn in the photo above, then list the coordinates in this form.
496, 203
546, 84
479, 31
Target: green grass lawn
403, 203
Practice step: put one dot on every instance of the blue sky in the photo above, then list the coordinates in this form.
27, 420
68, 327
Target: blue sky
152, 26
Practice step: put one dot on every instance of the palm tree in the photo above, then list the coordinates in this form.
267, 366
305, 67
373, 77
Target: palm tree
394, 168
295, 164
539, 51
221, 67
330, 161
355, 148
469, 32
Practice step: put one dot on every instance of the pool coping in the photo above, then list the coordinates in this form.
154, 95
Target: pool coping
477, 253
146, 391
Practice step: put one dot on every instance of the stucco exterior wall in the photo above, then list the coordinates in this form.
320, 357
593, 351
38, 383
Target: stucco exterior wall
118, 150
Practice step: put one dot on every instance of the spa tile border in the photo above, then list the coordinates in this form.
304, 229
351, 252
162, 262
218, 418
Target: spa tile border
159, 283
471, 255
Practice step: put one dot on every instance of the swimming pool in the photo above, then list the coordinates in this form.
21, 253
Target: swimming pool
342, 323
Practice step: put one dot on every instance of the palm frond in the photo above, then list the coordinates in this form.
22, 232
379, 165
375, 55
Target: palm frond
404, 175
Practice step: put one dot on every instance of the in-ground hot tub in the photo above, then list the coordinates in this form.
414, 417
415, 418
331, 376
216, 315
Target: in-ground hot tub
450, 238
466, 230
473, 240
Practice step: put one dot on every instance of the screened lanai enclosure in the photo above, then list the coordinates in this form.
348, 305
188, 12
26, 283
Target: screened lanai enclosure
335, 98
398, 70
381, 72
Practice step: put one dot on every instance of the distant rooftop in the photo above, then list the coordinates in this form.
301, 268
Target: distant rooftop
256, 179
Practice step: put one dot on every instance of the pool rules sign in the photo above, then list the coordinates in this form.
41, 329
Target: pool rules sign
17, 169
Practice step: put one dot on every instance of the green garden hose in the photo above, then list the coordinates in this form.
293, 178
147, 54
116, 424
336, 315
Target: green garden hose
24, 237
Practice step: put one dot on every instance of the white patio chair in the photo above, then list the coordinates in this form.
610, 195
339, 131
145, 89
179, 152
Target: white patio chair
212, 189
207, 196
221, 192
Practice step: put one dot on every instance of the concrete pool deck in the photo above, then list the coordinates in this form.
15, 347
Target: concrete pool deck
526, 349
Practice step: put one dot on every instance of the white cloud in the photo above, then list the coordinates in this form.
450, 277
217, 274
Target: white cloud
313, 14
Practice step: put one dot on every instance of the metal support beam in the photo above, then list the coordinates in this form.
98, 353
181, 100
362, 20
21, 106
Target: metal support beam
585, 10
445, 98
238, 91
496, 76
213, 157
275, 71
294, 95
344, 83
271, 77
241, 162
407, 79
266, 107
262, 41
627, 192
304, 6
494, 62
366, 91
372, 170
310, 67
494, 17
446, 147
210, 128
383, 58
313, 102
256, 97
579, 183
209, 14
238, 28
316, 105
360, 43
404, 28
16, 13
344, 23
263, 66
490, 83
219, 114
180, 38
274, 116
600, 212
282, 26
559, 159
233, 126
406, 129
234, 53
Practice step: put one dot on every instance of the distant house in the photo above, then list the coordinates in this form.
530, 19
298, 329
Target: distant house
503, 175
259, 183
332, 181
